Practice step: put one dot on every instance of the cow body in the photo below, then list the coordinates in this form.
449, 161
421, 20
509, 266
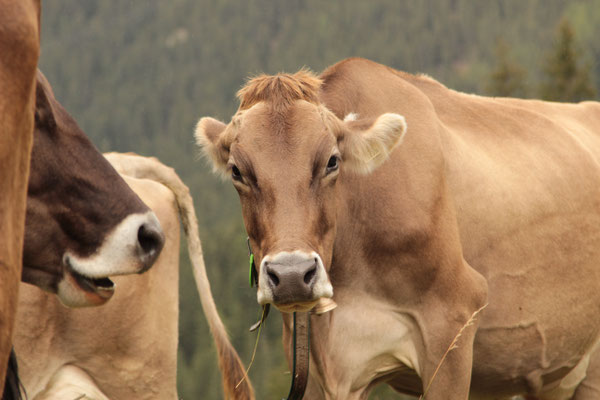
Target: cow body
479, 233
523, 179
126, 349
527, 195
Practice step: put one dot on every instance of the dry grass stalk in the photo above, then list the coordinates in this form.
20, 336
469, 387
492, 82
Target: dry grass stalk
254, 351
453, 345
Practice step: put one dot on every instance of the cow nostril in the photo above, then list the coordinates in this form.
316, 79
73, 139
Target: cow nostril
150, 239
273, 278
308, 277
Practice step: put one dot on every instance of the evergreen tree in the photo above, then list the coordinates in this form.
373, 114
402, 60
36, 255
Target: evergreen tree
507, 78
567, 77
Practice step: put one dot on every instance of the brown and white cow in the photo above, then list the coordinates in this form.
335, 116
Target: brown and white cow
83, 223
414, 206
19, 51
126, 349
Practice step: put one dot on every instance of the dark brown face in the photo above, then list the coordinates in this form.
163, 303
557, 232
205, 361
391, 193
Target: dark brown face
83, 222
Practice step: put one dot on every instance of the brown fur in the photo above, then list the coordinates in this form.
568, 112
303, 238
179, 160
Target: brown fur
19, 51
67, 173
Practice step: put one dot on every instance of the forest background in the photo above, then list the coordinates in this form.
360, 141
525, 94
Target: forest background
137, 75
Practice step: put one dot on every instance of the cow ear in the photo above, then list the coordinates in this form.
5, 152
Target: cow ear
366, 144
209, 137
44, 113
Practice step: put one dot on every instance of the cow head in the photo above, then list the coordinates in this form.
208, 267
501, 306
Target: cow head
285, 153
83, 222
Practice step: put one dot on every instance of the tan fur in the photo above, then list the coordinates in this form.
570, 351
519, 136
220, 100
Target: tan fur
111, 342
19, 50
72, 383
485, 201
281, 90
232, 368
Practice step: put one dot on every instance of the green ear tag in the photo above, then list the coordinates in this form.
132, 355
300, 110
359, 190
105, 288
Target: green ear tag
251, 274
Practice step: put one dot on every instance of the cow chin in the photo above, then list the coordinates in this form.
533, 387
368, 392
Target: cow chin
73, 291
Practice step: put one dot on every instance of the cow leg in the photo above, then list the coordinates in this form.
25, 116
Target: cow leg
448, 325
589, 388
448, 376
19, 50
581, 383
71, 382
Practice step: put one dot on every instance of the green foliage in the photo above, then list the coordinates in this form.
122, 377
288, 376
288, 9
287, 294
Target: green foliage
137, 75
507, 78
567, 77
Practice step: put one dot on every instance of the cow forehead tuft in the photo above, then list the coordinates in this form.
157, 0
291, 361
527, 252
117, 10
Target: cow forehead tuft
280, 90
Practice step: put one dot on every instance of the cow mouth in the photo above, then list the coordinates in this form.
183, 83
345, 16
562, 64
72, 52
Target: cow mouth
303, 306
103, 287
320, 306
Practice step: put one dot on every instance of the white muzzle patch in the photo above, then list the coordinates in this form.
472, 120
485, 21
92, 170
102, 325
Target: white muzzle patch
119, 254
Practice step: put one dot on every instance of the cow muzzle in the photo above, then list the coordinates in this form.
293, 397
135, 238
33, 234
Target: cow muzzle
132, 247
293, 281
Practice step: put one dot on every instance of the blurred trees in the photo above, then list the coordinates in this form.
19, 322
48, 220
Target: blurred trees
137, 75
566, 75
507, 78
566, 71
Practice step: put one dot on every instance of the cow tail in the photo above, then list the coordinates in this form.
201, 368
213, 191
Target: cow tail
232, 368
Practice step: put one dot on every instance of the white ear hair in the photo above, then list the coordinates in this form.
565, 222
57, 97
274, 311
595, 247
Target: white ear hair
208, 133
369, 149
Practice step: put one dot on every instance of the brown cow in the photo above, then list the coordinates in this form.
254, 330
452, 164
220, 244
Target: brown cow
83, 222
19, 51
62, 353
415, 214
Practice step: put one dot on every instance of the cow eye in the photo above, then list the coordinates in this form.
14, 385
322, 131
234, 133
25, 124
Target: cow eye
236, 175
332, 164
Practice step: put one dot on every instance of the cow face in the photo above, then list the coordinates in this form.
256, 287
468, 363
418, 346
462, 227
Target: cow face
285, 157
83, 222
